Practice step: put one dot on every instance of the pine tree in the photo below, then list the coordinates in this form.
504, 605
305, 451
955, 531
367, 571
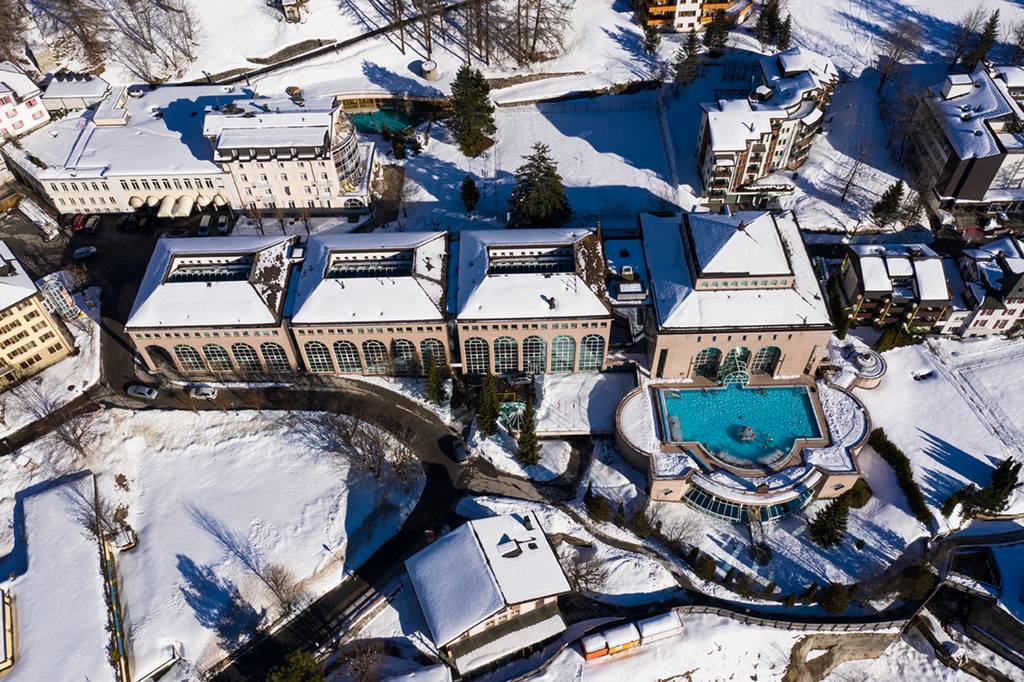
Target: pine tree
620, 516
652, 38
472, 118
435, 381
489, 407
829, 524
686, 60
716, 35
538, 198
992, 499
300, 666
597, 505
986, 40
642, 524
529, 448
767, 26
887, 208
469, 193
835, 597
785, 33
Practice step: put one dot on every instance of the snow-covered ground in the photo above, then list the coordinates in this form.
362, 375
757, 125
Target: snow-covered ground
58, 384
581, 403
500, 450
60, 610
239, 493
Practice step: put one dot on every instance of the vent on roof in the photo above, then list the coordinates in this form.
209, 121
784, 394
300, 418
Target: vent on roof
550, 300
966, 116
528, 522
915, 251
509, 548
7, 269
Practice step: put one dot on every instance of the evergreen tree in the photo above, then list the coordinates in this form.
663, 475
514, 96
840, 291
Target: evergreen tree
835, 597
472, 118
686, 60
642, 525
597, 505
470, 194
435, 381
300, 666
652, 38
489, 407
829, 524
768, 24
785, 33
887, 209
986, 40
529, 448
538, 198
716, 35
992, 499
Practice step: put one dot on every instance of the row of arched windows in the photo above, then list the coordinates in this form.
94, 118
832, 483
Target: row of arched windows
709, 362
535, 356
214, 358
344, 357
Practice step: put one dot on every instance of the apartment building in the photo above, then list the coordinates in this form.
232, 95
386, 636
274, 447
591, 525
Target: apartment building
175, 149
890, 285
735, 298
30, 338
966, 148
686, 15
372, 303
216, 306
742, 141
21, 110
989, 282
532, 300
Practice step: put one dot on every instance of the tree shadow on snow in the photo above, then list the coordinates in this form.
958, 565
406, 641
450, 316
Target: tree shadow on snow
396, 83
938, 485
217, 604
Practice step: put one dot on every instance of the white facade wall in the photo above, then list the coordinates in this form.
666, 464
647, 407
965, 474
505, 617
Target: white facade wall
20, 117
80, 194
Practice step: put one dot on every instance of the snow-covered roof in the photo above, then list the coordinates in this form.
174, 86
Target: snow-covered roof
994, 268
162, 135
15, 284
793, 73
881, 264
725, 244
680, 306
72, 86
13, 80
432, 673
621, 634
416, 294
185, 284
733, 123
479, 568
659, 625
573, 288
269, 123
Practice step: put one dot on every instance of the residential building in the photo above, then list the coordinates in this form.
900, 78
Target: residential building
71, 91
488, 589
173, 149
742, 141
686, 15
30, 338
21, 110
966, 148
735, 298
216, 306
372, 303
292, 10
990, 284
532, 300
895, 284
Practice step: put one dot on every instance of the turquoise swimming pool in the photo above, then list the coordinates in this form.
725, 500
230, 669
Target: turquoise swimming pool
375, 121
740, 426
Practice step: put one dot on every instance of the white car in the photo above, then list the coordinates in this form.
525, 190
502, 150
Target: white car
222, 225
84, 252
142, 392
203, 393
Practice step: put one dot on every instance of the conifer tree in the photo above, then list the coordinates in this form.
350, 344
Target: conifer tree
785, 34
435, 381
652, 38
829, 524
538, 198
472, 118
686, 60
988, 37
835, 597
716, 35
767, 26
597, 505
887, 208
529, 448
489, 407
469, 193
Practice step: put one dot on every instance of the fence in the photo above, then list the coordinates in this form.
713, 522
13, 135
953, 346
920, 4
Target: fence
746, 619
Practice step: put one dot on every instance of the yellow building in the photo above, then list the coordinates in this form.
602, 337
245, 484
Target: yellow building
30, 338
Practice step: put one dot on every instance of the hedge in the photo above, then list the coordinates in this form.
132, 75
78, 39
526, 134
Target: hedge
900, 464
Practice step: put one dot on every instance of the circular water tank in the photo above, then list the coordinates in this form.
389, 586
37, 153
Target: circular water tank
429, 70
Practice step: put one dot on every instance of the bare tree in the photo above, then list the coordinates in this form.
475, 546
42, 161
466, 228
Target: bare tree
287, 591
86, 20
13, 28
304, 216
255, 216
397, 15
851, 176
156, 38
1017, 38
894, 47
76, 431
94, 514
362, 659
428, 13
585, 573
966, 30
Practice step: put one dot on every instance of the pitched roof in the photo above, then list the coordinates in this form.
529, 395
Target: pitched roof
13, 79
15, 284
739, 244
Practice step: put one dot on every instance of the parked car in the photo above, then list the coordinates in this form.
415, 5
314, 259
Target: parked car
142, 392
84, 252
454, 448
78, 222
92, 225
519, 379
204, 226
222, 225
202, 393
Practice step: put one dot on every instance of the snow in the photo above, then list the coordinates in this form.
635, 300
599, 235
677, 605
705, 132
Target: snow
1009, 559
881, 263
530, 575
61, 611
413, 297
584, 402
58, 384
16, 285
14, 81
726, 246
513, 641
500, 450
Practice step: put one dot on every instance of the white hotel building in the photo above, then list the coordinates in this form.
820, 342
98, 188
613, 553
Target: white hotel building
176, 148
21, 110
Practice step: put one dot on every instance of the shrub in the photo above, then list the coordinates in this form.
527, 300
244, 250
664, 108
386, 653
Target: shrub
835, 300
769, 589
992, 499
692, 556
900, 464
705, 567
743, 584
835, 598
860, 543
729, 575
857, 496
915, 582
810, 592
790, 599
642, 525
300, 666
597, 505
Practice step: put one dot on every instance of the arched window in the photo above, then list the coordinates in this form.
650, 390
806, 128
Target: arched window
506, 355
706, 364
563, 354
245, 357
477, 360
353, 203
432, 348
217, 358
591, 353
318, 358
535, 355
734, 368
348, 357
188, 358
275, 357
765, 360
404, 354
376, 354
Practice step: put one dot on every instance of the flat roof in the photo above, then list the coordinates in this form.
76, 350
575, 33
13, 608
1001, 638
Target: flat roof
74, 85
